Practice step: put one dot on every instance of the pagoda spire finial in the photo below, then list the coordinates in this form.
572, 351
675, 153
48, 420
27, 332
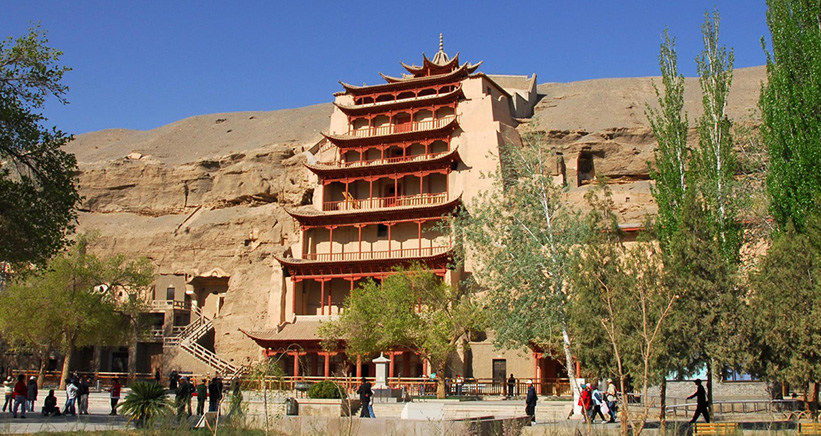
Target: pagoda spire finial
441, 42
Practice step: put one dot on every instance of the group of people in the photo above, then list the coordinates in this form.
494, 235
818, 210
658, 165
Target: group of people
597, 403
20, 396
366, 398
184, 389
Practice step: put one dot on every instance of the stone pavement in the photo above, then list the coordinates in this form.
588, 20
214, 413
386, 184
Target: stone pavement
98, 418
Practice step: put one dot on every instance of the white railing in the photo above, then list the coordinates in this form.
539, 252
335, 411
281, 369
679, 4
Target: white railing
208, 357
375, 255
381, 161
169, 304
389, 129
381, 202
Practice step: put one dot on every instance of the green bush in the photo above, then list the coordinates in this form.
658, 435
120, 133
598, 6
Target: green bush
145, 403
326, 389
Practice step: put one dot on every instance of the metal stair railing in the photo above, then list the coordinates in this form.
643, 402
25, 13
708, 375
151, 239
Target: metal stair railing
208, 357
195, 330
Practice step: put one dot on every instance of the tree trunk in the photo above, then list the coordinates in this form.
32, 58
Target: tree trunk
813, 403
663, 405
132, 355
41, 374
440, 380
96, 360
710, 388
66, 371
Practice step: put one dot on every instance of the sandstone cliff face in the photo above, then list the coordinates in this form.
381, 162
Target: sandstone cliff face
202, 194
208, 192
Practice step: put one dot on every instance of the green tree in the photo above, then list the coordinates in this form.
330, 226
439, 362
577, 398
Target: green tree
621, 309
87, 300
791, 110
412, 310
785, 302
715, 161
38, 195
520, 239
672, 157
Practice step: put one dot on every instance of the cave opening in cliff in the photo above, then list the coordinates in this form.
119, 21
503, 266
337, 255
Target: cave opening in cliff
586, 169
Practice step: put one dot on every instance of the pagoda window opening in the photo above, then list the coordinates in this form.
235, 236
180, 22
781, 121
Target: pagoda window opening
445, 112
403, 122
385, 97
438, 147
423, 115
426, 92
406, 95
364, 100
360, 124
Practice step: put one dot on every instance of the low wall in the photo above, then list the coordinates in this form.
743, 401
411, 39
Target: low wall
312, 425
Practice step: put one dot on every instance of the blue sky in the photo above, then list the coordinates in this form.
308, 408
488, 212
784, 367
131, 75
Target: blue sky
143, 64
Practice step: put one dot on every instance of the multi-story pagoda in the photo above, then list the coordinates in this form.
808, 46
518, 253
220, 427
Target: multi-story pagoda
398, 156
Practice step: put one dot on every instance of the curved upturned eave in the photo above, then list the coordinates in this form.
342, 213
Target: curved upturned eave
404, 82
309, 216
401, 104
324, 171
343, 141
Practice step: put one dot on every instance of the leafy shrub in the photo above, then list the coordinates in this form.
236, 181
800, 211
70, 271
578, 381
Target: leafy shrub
145, 402
325, 389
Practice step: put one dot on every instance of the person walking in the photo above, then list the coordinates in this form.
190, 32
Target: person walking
115, 396
31, 393
597, 402
182, 399
20, 395
530, 401
701, 402
71, 398
511, 385
611, 398
365, 396
8, 389
214, 394
202, 395
585, 401
82, 395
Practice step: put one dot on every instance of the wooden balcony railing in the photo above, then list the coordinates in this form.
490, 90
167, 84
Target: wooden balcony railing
389, 129
170, 304
380, 202
381, 161
375, 255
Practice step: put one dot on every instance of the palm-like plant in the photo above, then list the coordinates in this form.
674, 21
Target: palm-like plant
145, 402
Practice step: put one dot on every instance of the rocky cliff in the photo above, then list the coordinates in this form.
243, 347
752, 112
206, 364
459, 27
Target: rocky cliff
208, 192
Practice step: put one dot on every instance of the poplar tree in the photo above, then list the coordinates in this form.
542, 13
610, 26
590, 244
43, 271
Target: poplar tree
521, 239
669, 124
791, 110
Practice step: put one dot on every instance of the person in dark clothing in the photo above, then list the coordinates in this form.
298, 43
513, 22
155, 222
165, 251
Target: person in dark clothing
365, 395
701, 402
50, 405
182, 399
511, 385
530, 401
365, 392
202, 394
172, 381
214, 394
31, 395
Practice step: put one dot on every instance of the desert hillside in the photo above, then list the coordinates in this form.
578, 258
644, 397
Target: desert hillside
208, 192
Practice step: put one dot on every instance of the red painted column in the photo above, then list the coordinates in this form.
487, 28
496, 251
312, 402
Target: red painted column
359, 367
390, 227
322, 297
296, 363
391, 365
331, 253
419, 225
327, 369
359, 226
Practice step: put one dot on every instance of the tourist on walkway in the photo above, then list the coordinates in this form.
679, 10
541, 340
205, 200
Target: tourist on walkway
20, 393
182, 399
530, 401
585, 401
511, 385
597, 402
611, 398
71, 398
214, 395
701, 402
365, 395
31, 393
82, 395
8, 389
172, 381
50, 405
202, 395
115, 396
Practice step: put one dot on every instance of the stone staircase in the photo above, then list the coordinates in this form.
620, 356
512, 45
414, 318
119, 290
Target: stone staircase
187, 341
